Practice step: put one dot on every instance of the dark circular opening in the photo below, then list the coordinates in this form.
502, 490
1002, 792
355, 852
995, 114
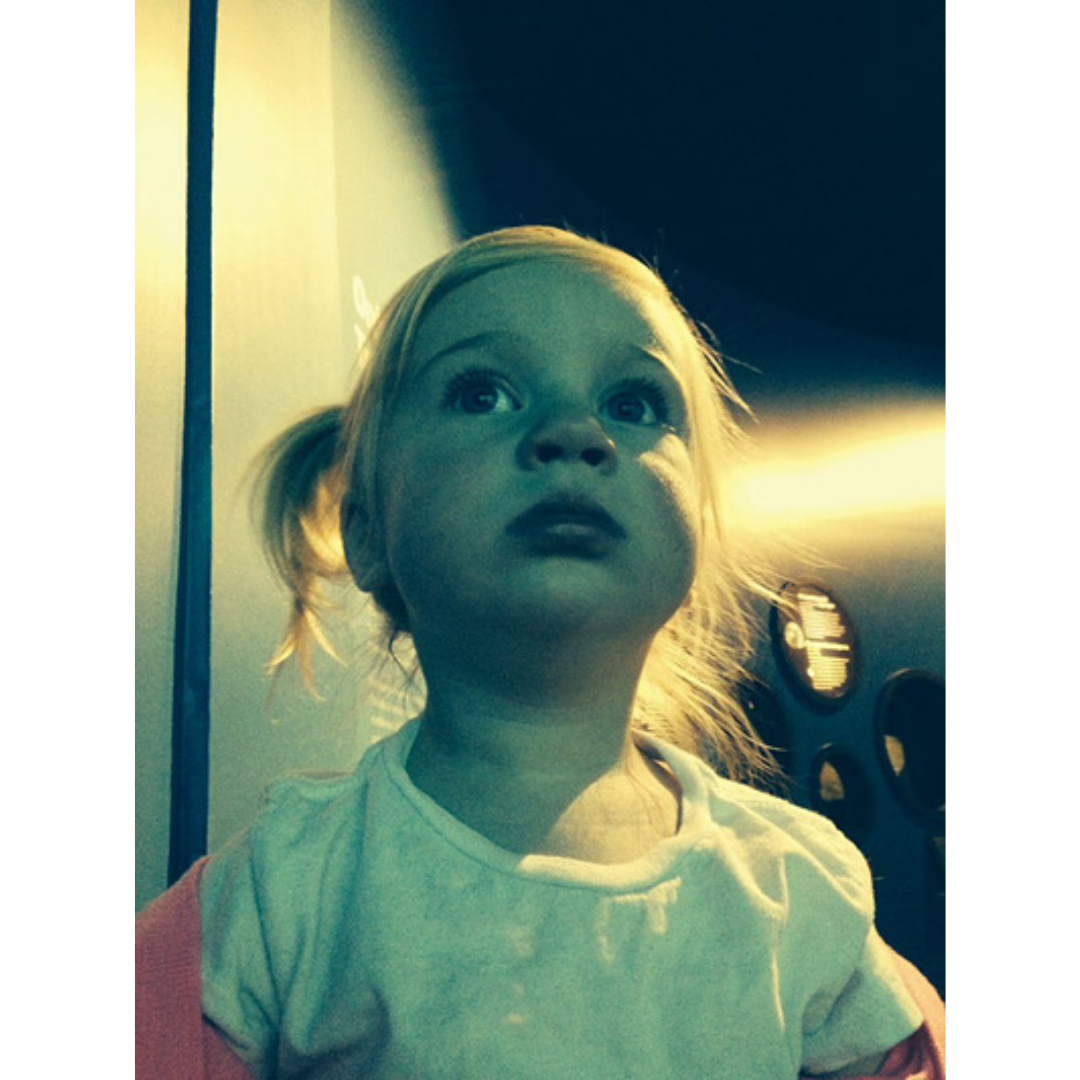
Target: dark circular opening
910, 736
840, 790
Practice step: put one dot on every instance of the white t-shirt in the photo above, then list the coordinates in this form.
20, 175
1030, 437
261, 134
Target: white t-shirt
358, 929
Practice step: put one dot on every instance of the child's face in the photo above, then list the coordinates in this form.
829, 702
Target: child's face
535, 471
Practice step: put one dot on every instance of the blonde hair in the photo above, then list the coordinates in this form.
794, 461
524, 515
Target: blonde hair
320, 476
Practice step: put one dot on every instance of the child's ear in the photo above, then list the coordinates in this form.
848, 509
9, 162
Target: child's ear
366, 558
362, 553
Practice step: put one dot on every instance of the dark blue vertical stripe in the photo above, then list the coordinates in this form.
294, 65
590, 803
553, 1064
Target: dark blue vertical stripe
191, 657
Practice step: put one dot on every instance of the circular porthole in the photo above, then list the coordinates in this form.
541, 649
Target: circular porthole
814, 639
770, 723
910, 734
840, 790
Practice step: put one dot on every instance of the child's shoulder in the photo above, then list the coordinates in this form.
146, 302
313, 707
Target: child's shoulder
751, 807
309, 797
760, 831
302, 813
732, 800
742, 800
307, 791
268, 866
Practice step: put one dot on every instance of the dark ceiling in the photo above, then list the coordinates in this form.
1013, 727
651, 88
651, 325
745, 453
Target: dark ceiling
782, 162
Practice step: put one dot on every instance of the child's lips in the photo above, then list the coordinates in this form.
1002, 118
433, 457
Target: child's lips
571, 521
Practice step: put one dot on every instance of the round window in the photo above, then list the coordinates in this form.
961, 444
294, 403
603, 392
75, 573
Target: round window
840, 790
814, 639
910, 734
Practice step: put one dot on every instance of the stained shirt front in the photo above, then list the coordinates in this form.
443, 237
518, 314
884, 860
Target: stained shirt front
358, 929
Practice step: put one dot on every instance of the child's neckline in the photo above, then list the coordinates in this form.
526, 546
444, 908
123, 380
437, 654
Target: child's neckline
560, 869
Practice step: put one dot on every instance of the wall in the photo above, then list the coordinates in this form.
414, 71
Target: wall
325, 198
161, 38
884, 560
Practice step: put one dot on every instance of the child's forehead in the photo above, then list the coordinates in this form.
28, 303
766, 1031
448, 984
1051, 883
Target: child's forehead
556, 302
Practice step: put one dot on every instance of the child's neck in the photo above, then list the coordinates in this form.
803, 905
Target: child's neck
534, 710
543, 765
549, 805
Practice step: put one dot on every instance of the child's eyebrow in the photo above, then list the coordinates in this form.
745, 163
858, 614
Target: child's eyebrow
471, 342
657, 356
634, 353
652, 355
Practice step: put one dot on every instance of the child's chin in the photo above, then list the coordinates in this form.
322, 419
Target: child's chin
577, 594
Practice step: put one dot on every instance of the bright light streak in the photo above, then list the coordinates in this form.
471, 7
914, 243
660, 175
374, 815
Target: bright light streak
876, 473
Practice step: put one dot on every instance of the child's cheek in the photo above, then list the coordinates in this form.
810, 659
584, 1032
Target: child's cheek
670, 465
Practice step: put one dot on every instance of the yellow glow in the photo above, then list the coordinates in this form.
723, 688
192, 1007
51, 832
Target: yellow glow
895, 749
160, 163
844, 470
830, 786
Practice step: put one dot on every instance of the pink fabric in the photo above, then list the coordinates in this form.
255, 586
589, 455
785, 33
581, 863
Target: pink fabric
174, 1042
927, 1046
921, 1056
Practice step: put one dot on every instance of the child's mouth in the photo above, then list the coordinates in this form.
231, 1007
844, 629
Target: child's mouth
568, 524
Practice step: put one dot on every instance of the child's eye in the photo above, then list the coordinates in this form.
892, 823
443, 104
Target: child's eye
642, 402
478, 391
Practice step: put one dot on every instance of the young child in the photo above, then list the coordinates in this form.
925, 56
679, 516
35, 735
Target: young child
539, 876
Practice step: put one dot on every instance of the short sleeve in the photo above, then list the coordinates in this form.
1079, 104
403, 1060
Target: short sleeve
870, 1014
263, 909
238, 995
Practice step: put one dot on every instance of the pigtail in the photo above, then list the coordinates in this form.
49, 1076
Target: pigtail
298, 498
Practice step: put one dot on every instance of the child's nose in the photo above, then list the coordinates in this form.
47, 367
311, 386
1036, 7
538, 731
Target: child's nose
569, 438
